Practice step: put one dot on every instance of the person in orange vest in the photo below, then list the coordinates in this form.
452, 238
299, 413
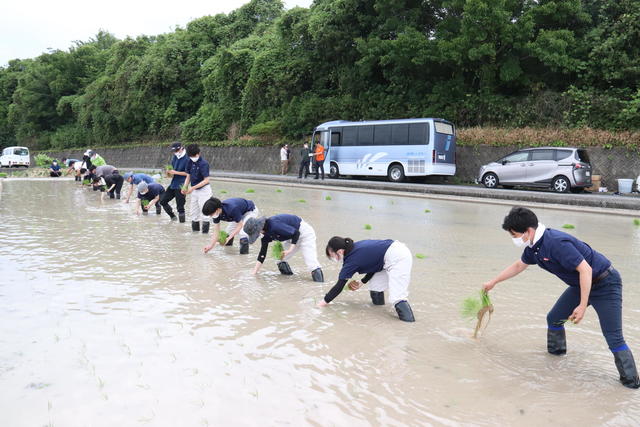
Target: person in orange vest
318, 155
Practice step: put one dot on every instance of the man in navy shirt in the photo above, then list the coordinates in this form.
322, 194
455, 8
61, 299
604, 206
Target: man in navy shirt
236, 211
290, 229
54, 169
591, 278
178, 175
148, 196
200, 190
134, 179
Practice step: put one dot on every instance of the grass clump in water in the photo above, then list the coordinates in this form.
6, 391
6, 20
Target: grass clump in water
328, 198
427, 210
421, 256
277, 250
370, 207
367, 227
223, 191
636, 221
222, 237
569, 226
278, 190
250, 190
477, 307
302, 201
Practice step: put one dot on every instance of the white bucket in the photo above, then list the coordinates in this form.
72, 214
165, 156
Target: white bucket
625, 185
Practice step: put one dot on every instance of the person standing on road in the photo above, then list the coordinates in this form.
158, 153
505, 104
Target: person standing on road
284, 160
304, 161
386, 265
318, 155
591, 278
200, 190
297, 235
178, 174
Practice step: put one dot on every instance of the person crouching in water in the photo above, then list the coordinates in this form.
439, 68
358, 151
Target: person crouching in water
110, 184
290, 229
591, 278
149, 193
236, 211
386, 265
198, 177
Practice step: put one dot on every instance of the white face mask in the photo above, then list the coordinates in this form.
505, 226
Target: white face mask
215, 215
519, 242
194, 159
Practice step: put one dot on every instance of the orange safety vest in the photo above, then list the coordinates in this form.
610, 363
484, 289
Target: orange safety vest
319, 153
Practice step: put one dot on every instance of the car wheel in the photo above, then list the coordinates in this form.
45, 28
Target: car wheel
561, 184
334, 172
490, 180
396, 173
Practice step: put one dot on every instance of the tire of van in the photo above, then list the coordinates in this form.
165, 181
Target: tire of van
334, 172
561, 184
490, 180
395, 173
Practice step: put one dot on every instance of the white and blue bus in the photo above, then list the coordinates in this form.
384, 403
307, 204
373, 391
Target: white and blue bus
395, 148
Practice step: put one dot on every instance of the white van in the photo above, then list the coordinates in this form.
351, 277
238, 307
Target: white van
14, 157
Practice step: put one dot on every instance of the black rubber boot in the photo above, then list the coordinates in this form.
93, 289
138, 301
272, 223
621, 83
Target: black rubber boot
118, 196
181, 217
195, 225
205, 227
627, 368
173, 216
112, 196
230, 242
404, 311
556, 341
284, 268
317, 275
244, 246
158, 209
377, 297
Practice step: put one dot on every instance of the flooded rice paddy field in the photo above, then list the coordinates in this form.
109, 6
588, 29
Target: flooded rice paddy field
112, 319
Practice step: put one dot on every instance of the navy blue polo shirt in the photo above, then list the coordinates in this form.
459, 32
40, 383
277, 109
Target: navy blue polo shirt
560, 253
281, 227
179, 165
233, 209
155, 189
198, 171
55, 167
367, 256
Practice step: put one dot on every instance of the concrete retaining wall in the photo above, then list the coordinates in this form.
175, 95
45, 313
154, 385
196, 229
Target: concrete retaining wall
609, 163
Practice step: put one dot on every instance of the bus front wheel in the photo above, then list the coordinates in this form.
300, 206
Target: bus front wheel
334, 172
396, 173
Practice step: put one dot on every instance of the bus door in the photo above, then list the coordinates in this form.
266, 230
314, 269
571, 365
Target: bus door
444, 149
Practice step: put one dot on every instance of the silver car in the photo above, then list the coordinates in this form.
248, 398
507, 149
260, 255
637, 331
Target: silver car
560, 169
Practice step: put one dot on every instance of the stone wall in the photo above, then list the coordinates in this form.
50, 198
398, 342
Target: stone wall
609, 163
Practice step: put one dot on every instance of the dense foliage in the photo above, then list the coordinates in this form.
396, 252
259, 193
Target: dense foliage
263, 70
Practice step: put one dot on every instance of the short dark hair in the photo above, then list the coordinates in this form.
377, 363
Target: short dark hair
519, 220
192, 150
336, 243
83, 170
211, 205
92, 167
95, 178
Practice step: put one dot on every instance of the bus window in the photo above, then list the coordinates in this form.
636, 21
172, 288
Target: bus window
418, 134
350, 135
400, 134
365, 135
445, 128
382, 135
335, 137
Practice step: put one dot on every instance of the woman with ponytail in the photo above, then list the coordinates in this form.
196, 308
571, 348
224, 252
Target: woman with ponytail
386, 265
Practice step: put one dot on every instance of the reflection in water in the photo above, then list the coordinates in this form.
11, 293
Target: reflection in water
110, 318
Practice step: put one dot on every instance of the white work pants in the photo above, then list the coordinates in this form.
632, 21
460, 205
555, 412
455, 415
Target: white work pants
306, 244
396, 273
198, 197
255, 213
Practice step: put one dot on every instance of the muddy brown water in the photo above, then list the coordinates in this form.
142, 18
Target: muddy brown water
111, 319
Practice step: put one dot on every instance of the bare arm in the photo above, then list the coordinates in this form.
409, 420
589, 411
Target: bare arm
214, 238
509, 272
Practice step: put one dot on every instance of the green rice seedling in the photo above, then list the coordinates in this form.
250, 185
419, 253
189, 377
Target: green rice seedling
302, 201
427, 210
168, 167
277, 250
370, 207
636, 221
421, 256
328, 198
86, 182
223, 191
250, 190
222, 237
478, 307
184, 187
278, 190
470, 307
367, 226
144, 202
569, 226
